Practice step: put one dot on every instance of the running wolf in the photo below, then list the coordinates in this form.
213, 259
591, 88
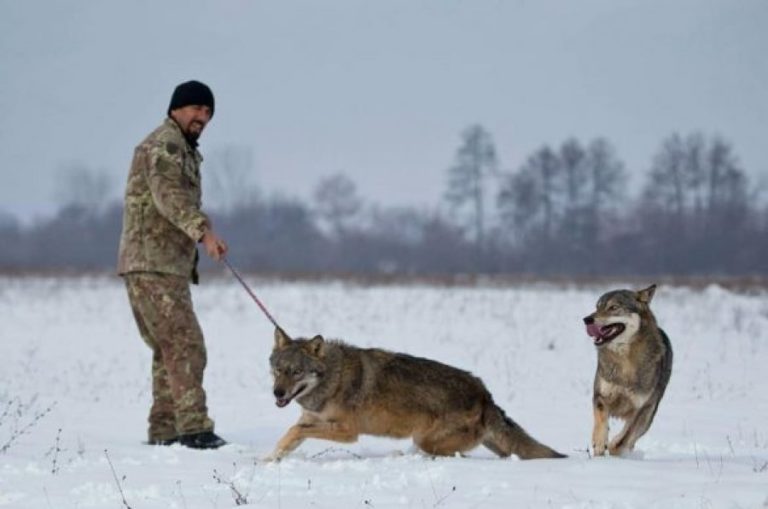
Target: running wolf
634, 363
345, 391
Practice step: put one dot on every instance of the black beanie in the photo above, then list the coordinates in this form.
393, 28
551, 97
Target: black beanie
191, 93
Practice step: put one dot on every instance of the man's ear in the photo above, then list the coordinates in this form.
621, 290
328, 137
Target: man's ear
281, 339
646, 295
316, 346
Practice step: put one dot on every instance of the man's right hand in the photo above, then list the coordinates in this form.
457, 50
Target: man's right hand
214, 245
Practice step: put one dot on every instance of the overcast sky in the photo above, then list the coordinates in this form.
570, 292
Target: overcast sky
377, 90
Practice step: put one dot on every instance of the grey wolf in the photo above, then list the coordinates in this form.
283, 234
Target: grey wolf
345, 391
162, 225
634, 364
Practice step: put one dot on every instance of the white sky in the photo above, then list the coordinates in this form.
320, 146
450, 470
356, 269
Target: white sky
378, 90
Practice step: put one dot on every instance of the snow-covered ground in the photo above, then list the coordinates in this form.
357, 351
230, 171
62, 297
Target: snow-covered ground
75, 382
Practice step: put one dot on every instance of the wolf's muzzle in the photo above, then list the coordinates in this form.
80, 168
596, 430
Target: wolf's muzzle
281, 399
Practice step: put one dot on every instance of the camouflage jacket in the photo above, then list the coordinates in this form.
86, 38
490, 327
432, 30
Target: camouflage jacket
162, 220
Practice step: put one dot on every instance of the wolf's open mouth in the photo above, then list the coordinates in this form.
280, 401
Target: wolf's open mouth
281, 402
605, 333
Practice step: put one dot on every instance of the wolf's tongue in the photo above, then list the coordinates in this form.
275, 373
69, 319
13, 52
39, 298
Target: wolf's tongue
593, 330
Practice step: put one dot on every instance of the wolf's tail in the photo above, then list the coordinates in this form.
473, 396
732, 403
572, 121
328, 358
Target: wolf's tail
505, 437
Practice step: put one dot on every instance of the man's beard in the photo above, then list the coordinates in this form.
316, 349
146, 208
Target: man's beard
192, 136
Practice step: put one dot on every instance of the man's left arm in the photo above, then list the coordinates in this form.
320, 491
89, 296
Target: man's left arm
173, 200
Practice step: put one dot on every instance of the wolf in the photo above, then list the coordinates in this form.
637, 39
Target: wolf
634, 364
346, 391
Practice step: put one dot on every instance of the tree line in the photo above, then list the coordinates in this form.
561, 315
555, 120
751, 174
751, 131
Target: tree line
570, 209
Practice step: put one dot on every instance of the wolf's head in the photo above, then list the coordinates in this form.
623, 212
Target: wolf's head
297, 366
619, 315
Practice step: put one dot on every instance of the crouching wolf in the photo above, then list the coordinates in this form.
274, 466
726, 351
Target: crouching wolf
346, 391
634, 363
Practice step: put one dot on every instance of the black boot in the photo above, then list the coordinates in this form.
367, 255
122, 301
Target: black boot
202, 440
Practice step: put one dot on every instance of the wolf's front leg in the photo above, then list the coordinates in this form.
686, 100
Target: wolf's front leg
335, 431
635, 427
618, 445
288, 443
600, 429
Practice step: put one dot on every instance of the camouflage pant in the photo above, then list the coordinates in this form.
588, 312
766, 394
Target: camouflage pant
162, 307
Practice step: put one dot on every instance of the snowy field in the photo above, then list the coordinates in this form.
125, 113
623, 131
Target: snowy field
75, 390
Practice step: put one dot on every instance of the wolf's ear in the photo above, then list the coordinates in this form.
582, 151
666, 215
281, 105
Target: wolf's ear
646, 295
281, 339
316, 345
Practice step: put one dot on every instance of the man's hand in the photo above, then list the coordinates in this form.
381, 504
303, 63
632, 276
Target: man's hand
214, 245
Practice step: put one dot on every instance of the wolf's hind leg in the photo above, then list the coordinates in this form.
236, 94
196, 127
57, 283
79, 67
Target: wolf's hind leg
449, 442
635, 427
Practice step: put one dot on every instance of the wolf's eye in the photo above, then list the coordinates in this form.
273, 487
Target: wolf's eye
298, 372
613, 307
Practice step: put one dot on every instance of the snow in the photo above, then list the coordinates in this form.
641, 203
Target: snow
70, 348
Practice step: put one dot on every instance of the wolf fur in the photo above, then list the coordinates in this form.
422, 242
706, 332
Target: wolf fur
345, 391
634, 364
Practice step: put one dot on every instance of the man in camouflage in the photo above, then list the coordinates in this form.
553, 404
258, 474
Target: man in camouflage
162, 224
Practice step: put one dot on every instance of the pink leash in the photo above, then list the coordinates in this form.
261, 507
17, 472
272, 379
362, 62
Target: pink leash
253, 295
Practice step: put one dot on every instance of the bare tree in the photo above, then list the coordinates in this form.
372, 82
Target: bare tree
728, 199
337, 202
697, 203
573, 159
674, 179
528, 200
606, 177
574, 172
556, 203
565, 210
475, 163
693, 178
695, 148
518, 204
607, 172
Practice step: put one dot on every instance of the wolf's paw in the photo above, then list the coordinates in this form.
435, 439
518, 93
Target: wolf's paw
624, 452
413, 450
634, 454
598, 449
273, 457
614, 450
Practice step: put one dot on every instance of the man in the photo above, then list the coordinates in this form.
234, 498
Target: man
162, 223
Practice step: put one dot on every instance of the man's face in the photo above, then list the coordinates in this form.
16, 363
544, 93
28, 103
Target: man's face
192, 119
